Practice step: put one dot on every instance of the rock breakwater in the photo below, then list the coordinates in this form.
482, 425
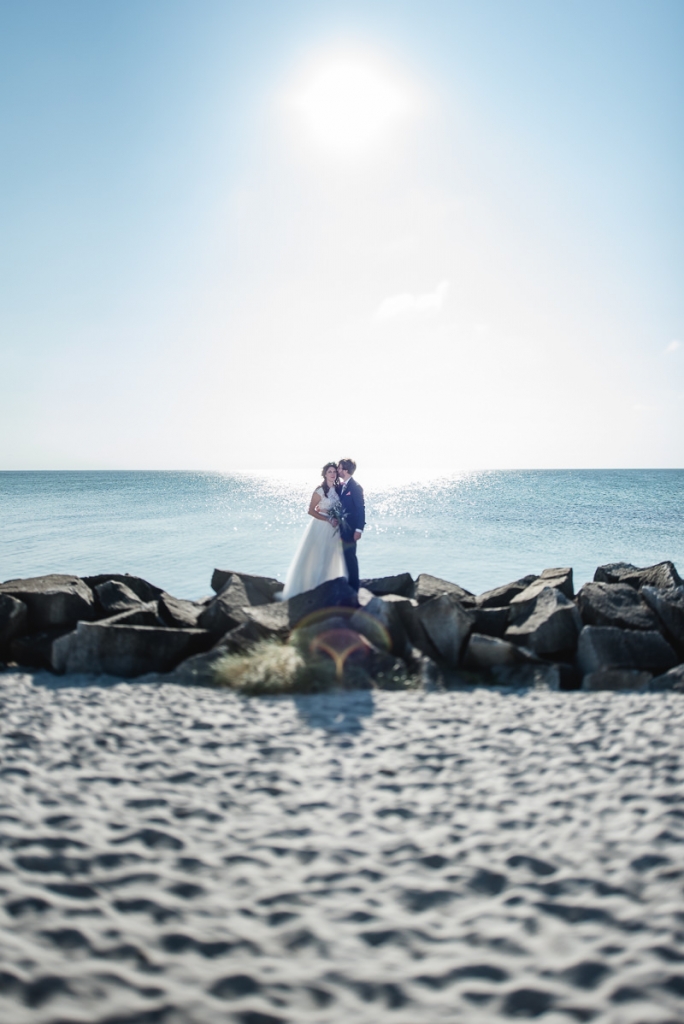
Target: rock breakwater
624, 630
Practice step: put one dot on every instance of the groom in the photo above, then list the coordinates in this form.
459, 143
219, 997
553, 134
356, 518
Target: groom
351, 529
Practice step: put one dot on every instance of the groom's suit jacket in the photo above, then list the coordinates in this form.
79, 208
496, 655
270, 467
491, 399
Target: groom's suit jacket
351, 499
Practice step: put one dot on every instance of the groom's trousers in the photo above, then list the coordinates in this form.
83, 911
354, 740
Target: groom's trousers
352, 562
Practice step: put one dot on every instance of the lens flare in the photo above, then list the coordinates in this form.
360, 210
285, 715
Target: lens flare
338, 644
330, 631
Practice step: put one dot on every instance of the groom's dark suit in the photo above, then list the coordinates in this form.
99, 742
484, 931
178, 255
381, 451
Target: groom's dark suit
351, 499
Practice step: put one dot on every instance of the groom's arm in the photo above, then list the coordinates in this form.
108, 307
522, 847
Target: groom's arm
360, 507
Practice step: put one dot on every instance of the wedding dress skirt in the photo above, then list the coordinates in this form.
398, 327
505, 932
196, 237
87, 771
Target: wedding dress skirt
319, 556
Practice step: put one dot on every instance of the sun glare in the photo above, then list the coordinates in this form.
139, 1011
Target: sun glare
347, 103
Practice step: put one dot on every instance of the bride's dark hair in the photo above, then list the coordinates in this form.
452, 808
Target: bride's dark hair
328, 465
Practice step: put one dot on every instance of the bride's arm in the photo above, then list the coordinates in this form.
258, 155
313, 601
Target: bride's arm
313, 508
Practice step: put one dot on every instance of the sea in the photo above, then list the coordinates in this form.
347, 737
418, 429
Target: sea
477, 529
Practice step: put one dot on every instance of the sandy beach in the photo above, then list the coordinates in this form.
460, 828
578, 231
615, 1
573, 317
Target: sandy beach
187, 856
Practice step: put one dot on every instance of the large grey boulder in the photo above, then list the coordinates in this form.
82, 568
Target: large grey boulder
179, 613
53, 601
407, 610
125, 650
448, 626
332, 594
669, 607
13, 618
273, 619
143, 614
615, 604
616, 679
382, 612
549, 625
114, 597
663, 574
259, 589
227, 610
484, 652
672, 680
558, 579
35, 649
428, 587
502, 596
602, 647
141, 588
490, 621
402, 584
243, 638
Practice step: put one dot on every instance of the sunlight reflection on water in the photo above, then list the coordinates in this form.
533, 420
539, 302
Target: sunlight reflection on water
479, 529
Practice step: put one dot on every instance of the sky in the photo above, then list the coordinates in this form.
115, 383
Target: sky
421, 233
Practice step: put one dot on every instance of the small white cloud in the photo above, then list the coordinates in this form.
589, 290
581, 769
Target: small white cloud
407, 302
673, 346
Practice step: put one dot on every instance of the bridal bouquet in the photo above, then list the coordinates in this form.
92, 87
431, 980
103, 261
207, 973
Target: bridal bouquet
336, 511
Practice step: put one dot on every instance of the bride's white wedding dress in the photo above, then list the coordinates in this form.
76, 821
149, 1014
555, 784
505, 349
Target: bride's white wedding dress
319, 556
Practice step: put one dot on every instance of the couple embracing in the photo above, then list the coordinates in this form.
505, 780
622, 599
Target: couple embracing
328, 547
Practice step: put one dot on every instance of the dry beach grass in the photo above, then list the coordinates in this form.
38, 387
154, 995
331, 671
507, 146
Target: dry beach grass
175, 855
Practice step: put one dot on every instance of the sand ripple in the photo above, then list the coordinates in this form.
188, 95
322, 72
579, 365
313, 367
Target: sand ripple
176, 856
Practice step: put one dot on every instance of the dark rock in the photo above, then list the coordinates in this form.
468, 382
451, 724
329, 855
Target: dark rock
401, 585
502, 596
141, 615
408, 610
536, 676
558, 579
35, 649
549, 626
333, 594
615, 604
52, 601
176, 612
386, 671
243, 638
424, 670
259, 589
428, 587
447, 625
13, 618
384, 613
227, 610
663, 575
124, 650
616, 679
669, 607
570, 676
141, 588
672, 680
114, 597
483, 652
490, 621
602, 647
273, 619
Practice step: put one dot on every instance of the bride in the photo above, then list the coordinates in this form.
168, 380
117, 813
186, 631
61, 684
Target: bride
319, 556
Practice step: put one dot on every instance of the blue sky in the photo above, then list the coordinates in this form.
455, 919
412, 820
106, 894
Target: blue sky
195, 277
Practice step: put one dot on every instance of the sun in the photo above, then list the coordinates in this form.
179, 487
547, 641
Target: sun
349, 103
